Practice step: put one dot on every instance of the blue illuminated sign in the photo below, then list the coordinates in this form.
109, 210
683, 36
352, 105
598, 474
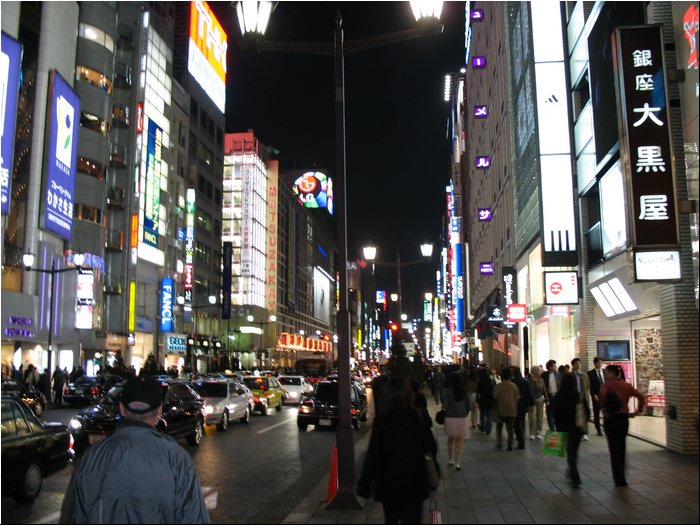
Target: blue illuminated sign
10, 59
62, 152
166, 305
459, 292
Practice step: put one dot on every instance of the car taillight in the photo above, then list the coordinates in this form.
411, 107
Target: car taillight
256, 399
93, 390
66, 391
71, 442
306, 407
354, 411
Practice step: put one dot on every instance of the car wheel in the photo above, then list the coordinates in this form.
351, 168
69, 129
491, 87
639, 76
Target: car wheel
39, 408
302, 426
196, 437
246, 418
224, 422
31, 483
263, 409
279, 407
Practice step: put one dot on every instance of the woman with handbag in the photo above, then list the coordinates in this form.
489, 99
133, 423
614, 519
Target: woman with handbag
395, 470
455, 400
568, 403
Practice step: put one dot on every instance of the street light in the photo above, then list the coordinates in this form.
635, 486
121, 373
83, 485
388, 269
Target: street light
271, 319
181, 301
252, 25
370, 252
28, 261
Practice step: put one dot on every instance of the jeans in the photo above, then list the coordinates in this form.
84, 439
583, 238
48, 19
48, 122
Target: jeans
550, 415
402, 510
519, 426
596, 415
535, 416
572, 455
485, 418
510, 423
616, 427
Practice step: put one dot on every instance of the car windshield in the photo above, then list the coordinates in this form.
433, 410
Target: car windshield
256, 383
327, 392
11, 386
84, 380
295, 381
211, 389
112, 397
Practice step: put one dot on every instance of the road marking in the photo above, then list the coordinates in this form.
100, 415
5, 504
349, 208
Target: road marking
275, 426
51, 518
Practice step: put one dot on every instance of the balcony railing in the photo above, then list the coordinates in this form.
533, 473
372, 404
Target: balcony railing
115, 198
120, 116
114, 241
113, 284
122, 76
117, 156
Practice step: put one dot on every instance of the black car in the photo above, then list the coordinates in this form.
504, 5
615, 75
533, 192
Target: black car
321, 408
29, 395
183, 416
31, 450
88, 389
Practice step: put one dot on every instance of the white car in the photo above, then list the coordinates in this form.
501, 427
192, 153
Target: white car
296, 387
225, 399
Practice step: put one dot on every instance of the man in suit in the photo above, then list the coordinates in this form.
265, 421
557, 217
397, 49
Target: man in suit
596, 380
583, 386
552, 384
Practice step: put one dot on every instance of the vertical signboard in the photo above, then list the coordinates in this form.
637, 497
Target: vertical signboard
510, 285
84, 299
459, 287
166, 305
189, 244
227, 255
271, 252
246, 221
10, 62
207, 53
645, 142
154, 172
61, 156
132, 306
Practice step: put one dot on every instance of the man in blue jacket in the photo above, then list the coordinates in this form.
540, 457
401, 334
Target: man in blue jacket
136, 475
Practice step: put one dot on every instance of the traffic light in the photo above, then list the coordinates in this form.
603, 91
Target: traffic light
394, 327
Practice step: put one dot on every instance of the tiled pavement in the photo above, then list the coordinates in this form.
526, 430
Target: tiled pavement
524, 486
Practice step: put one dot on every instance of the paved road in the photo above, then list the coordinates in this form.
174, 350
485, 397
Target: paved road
261, 471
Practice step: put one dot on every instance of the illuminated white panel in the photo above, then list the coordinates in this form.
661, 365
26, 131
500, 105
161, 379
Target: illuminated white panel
604, 305
559, 230
613, 218
657, 266
547, 37
553, 120
622, 295
612, 298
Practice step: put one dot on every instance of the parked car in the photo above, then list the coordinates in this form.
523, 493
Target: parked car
183, 416
29, 395
31, 450
321, 407
89, 389
224, 399
296, 387
267, 393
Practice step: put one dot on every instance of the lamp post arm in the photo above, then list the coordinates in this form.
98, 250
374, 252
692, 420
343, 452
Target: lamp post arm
402, 264
303, 48
385, 39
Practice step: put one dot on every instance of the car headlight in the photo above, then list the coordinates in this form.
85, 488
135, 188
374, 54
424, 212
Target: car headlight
75, 424
305, 409
208, 409
293, 394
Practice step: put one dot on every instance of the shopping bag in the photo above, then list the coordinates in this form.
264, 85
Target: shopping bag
555, 444
440, 417
435, 514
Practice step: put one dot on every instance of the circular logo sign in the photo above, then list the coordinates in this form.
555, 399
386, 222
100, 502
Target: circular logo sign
307, 183
555, 288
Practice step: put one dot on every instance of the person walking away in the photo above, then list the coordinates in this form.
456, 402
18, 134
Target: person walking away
455, 399
394, 471
506, 396
583, 386
472, 382
484, 398
535, 414
614, 399
31, 376
495, 378
438, 384
138, 474
596, 380
57, 385
552, 380
565, 418
421, 403
44, 385
524, 403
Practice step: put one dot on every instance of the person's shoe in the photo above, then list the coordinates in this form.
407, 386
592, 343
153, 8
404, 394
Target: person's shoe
510, 447
532, 438
576, 482
599, 433
585, 437
499, 446
621, 484
450, 463
521, 447
538, 436
567, 473
458, 468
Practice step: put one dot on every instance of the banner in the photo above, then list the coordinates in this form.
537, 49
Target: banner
10, 63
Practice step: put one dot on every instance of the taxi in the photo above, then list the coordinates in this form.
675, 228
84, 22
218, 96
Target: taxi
267, 393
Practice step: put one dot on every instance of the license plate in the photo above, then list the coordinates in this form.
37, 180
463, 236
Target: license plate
324, 422
78, 390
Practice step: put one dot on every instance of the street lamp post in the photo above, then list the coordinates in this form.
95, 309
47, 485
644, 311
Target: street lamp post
28, 261
253, 21
195, 308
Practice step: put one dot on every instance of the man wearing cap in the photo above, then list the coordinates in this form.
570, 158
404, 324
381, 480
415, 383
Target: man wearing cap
136, 475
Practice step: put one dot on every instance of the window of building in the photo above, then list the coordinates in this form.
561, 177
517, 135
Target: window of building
202, 252
204, 221
94, 78
92, 168
83, 212
206, 157
194, 108
93, 122
95, 34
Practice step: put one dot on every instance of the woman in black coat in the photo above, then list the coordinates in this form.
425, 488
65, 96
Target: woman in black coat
484, 397
394, 470
565, 418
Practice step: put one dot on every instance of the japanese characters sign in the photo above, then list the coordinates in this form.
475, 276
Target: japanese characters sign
645, 143
10, 58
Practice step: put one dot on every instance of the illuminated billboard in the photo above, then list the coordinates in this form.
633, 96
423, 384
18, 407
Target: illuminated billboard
315, 190
84, 299
207, 53
155, 169
10, 58
64, 107
561, 287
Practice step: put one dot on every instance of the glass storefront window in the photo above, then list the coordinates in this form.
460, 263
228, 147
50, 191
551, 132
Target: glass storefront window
93, 122
96, 34
84, 212
94, 78
92, 168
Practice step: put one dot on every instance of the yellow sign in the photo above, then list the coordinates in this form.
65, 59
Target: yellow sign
132, 306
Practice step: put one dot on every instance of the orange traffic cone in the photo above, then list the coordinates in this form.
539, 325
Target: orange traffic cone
333, 476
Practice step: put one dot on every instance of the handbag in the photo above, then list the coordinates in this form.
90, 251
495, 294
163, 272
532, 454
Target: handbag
440, 417
435, 514
581, 422
431, 472
555, 443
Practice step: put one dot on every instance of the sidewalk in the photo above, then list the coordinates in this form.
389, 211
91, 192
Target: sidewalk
524, 486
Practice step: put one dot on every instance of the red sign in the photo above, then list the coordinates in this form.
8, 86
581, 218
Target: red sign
560, 310
555, 288
189, 276
517, 313
139, 117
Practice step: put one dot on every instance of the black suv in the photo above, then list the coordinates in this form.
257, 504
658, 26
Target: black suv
29, 395
321, 407
183, 416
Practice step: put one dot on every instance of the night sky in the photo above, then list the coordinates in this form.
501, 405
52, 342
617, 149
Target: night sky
396, 120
